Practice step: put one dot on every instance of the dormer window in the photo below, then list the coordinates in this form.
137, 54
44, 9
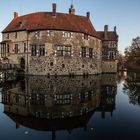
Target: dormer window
21, 24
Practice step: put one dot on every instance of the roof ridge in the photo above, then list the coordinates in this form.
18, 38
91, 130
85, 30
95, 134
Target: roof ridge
59, 13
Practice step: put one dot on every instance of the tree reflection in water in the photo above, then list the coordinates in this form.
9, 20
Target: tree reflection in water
62, 103
132, 87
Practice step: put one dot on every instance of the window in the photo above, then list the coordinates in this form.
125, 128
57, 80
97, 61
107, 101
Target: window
85, 36
60, 50
3, 50
50, 33
34, 50
42, 50
22, 24
15, 34
112, 45
7, 48
7, 36
37, 34
90, 52
16, 48
24, 47
63, 99
67, 34
111, 55
85, 96
83, 51
63, 50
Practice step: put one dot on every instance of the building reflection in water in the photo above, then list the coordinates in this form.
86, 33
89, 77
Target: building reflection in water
62, 103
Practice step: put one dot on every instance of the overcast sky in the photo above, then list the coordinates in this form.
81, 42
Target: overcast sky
125, 14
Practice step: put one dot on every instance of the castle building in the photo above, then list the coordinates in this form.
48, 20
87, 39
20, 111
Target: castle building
109, 49
52, 43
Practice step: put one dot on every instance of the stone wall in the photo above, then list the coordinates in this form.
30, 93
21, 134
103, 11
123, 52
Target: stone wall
52, 64
109, 66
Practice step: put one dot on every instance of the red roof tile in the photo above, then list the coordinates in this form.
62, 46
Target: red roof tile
45, 20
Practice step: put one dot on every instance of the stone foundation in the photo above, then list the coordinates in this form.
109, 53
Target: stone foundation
109, 67
63, 66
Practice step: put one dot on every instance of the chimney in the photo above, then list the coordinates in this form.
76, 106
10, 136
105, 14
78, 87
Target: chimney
54, 9
15, 14
105, 31
72, 10
88, 15
115, 29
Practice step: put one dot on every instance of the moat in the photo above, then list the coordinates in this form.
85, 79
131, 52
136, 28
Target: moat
78, 108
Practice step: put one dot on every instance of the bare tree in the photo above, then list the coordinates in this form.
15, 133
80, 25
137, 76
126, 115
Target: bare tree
132, 54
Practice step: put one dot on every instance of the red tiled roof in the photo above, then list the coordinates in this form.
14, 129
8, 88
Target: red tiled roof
45, 20
111, 35
50, 124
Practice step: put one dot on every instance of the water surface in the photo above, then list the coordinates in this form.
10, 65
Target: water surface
80, 108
